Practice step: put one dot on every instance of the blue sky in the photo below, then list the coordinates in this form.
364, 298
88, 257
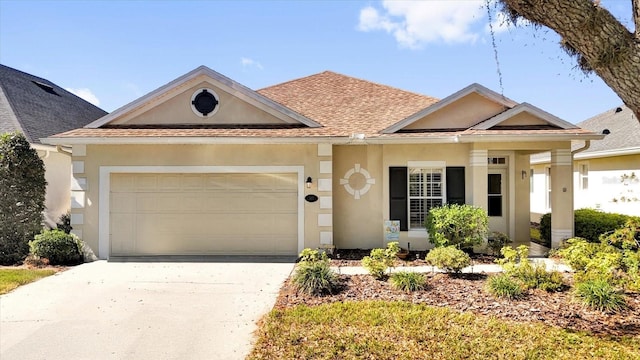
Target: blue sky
112, 52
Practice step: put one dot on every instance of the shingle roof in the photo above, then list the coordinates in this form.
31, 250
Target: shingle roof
39, 108
347, 104
623, 126
342, 105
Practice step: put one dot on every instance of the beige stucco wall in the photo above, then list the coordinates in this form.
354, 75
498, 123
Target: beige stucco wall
188, 155
463, 113
604, 185
58, 176
177, 110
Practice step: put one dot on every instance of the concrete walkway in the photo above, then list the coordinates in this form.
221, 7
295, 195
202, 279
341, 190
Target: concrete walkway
483, 268
106, 310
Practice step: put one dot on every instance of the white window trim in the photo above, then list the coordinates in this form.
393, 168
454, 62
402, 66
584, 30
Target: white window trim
547, 188
582, 176
442, 165
105, 190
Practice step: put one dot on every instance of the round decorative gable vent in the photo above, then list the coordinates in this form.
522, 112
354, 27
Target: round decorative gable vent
204, 102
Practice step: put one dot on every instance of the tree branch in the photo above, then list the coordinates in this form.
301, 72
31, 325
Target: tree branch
635, 5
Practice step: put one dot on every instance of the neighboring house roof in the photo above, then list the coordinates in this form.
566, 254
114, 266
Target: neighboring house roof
624, 131
335, 106
39, 108
623, 136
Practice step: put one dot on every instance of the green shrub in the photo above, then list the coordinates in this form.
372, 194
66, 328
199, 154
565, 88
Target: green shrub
516, 264
599, 294
461, 225
497, 241
57, 246
408, 281
619, 265
379, 260
313, 274
588, 223
503, 286
449, 258
545, 229
312, 255
64, 223
315, 278
22, 191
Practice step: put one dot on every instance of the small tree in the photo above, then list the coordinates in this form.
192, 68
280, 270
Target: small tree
461, 225
22, 191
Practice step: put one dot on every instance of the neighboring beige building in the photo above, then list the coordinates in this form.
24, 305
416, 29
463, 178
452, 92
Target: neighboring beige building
204, 165
39, 108
606, 173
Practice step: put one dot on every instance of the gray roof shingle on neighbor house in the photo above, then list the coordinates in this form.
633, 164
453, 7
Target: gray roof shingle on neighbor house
39, 108
623, 126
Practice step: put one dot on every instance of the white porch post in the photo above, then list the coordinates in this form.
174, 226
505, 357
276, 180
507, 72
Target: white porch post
479, 170
561, 196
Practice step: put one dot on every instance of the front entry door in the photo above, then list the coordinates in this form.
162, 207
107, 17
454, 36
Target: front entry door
497, 200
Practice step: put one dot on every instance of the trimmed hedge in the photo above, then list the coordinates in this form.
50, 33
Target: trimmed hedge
57, 246
588, 224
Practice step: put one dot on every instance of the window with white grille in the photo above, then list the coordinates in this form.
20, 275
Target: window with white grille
425, 192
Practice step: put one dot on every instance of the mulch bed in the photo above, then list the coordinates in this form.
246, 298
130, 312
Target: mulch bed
466, 293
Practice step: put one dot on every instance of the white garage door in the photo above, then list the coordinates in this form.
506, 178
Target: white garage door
203, 214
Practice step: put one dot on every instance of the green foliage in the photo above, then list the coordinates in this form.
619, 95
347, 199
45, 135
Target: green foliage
57, 246
313, 274
599, 294
619, 264
545, 229
64, 223
21, 198
379, 260
315, 278
626, 237
497, 241
588, 223
516, 264
504, 286
312, 255
408, 281
449, 258
12, 278
461, 225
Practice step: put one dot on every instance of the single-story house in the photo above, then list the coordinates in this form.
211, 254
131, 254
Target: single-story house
38, 108
204, 165
606, 173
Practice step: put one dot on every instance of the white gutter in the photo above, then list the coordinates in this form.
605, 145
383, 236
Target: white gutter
62, 150
587, 144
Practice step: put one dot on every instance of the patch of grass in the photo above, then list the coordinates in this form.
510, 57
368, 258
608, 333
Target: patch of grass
599, 294
401, 330
503, 286
12, 278
408, 281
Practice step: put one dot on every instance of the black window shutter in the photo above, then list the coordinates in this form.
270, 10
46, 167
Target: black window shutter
455, 185
398, 196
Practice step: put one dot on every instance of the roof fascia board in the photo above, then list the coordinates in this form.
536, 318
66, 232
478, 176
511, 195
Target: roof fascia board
475, 87
528, 108
528, 138
232, 87
608, 153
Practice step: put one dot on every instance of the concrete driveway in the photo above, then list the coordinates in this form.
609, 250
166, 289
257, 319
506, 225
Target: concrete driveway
107, 310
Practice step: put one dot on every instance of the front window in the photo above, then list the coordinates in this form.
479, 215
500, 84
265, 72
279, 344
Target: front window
548, 186
425, 192
584, 177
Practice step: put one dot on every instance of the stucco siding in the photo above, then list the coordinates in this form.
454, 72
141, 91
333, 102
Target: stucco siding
58, 177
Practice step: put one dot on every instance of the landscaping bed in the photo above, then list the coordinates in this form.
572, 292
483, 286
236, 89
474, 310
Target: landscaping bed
466, 293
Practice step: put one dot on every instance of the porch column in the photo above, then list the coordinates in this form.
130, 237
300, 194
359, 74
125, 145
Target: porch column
561, 196
479, 170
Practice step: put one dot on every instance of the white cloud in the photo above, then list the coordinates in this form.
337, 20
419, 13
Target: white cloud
416, 23
502, 23
85, 94
246, 62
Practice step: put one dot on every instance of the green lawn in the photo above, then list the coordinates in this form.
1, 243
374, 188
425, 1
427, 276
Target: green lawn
12, 278
401, 330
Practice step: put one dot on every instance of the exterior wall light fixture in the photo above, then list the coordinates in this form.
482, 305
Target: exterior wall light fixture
309, 182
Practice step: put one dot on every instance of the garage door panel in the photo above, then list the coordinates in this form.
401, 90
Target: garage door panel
196, 214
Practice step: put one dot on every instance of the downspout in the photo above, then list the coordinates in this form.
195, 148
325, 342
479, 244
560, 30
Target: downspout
587, 144
61, 150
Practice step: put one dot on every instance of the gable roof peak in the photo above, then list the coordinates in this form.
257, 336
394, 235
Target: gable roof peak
232, 86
